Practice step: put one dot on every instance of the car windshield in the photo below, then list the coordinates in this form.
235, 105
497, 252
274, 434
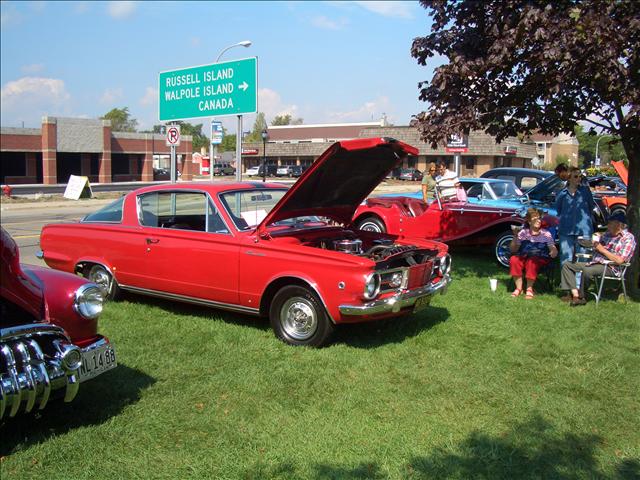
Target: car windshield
546, 190
247, 208
505, 190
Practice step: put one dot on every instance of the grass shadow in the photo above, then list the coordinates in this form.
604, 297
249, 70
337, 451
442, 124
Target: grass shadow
97, 401
532, 449
394, 330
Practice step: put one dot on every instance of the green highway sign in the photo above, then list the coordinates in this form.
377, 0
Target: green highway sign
227, 88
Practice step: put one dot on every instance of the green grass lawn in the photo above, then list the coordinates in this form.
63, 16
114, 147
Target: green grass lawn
479, 385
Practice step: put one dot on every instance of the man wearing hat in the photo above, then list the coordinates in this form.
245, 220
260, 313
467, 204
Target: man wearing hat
616, 245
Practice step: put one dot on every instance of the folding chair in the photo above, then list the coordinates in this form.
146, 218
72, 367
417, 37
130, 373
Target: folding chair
608, 274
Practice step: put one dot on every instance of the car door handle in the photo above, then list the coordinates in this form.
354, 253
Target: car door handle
152, 240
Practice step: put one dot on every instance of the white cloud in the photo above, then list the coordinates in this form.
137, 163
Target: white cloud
321, 21
270, 102
28, 99
121, 9
33, 68
9, 15
370, 111
80, 7
111, 95
150, 97
389, 9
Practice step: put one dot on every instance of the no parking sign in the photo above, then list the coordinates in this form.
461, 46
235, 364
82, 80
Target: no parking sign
173, 136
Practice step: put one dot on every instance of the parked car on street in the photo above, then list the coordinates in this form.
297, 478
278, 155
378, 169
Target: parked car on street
614, 198
161, 174
223, 169
262, 249
284, 171
49, 343
524, 178
257, 171
297, 170
410, 174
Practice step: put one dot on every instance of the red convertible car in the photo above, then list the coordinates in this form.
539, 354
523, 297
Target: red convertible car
48, 337
260, 248
454, 222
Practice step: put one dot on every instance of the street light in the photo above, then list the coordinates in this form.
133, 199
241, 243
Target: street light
598, 158
265, 137
244, 43
212, 149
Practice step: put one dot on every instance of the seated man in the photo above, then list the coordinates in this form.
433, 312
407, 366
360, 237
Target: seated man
616, 245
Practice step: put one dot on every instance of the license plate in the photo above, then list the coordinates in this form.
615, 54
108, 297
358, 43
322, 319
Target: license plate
421, 303
97, 361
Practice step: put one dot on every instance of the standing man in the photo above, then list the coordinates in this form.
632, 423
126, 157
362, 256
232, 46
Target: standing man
616, 245
446, 181
574, 204
562, 171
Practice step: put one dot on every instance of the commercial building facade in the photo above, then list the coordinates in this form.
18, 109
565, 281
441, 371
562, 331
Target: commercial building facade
88, 147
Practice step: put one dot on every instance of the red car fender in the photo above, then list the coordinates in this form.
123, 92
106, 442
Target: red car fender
389, 215
59, 297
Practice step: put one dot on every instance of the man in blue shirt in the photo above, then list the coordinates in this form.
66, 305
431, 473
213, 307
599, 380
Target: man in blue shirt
574, 204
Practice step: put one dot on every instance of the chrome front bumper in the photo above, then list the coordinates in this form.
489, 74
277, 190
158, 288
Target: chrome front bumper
397, 302
37, 360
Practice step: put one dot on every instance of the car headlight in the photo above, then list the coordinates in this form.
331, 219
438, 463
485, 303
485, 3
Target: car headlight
372, 286
88, 301
445, 264
396, 280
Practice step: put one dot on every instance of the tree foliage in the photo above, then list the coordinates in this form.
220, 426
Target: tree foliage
610, 148
258, 126
527, 66
121, 120
286, 120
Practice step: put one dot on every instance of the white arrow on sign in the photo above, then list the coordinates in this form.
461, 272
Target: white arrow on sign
243, 86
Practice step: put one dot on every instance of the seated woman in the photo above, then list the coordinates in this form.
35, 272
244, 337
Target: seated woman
532, 249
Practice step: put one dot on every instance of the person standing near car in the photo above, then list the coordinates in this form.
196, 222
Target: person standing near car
574, 204
447, 181
429, 183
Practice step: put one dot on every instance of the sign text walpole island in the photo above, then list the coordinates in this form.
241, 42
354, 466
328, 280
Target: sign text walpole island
227, 88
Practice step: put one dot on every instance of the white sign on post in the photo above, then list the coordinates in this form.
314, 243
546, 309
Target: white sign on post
173, 136
76, 187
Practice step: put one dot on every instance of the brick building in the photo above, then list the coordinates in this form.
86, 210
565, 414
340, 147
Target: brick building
88, 147
302, 144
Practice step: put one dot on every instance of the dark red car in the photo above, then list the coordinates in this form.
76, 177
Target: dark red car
48, 333
260, 248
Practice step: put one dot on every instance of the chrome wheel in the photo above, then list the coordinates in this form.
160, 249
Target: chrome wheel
298, 318
103, 279
503, 248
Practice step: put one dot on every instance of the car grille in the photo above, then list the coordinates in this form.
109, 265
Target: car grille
33, 366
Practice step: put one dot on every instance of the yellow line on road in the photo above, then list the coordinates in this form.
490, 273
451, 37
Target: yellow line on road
25, 236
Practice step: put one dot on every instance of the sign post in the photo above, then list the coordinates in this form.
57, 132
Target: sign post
217, 134
173, 141
457, 144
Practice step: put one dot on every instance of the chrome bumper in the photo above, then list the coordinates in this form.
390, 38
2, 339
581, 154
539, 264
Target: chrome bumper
397, 302
35, 361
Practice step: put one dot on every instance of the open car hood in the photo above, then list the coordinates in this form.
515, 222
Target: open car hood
340, 179
622, 171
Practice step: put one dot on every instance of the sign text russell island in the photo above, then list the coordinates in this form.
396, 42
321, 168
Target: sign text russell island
228, 88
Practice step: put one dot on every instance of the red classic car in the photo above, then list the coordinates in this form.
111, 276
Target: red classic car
451, 221
616, 202
48, 336
258, 248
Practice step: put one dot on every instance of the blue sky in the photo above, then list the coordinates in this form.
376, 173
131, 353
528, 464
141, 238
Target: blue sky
326, 62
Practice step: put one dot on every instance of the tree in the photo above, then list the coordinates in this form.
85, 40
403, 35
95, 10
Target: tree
258, 126
228, 143
610, 147
522, 66
286, 120
121, 120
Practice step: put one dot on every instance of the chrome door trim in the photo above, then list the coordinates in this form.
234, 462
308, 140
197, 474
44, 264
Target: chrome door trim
193, 300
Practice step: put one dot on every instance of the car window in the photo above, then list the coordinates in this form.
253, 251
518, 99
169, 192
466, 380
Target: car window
475, 190
528, 182
508, 177
112, 213
179, 211
247, 208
